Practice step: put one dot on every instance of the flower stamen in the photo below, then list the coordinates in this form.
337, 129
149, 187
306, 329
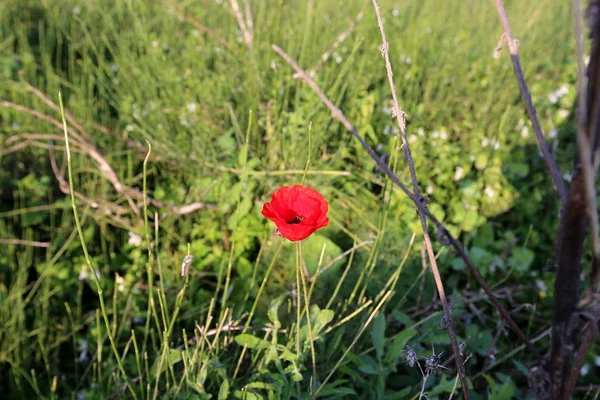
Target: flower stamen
297, 219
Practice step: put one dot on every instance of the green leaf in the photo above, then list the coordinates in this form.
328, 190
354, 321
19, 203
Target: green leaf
378, 334
224, 390
252, 342
522, 258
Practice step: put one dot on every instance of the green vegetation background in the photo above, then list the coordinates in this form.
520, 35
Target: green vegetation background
228, 125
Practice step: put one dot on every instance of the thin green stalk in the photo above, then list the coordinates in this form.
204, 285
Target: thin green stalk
87, 256
308, 323
151, 309
255, 304
358, 335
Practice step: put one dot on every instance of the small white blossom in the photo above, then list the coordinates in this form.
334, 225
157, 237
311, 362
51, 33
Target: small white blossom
412, 138
541, 285
444, 135
496, 145
485, 142
420, 131
567, 176
120, 282
273, 64
83, 348
155, 43
524, 132
429, 189
458, 173
76, 10
556, 95
563, 114
585, 369
553, 133
435, 134
489, 192
134, 239
191, 107
396, 12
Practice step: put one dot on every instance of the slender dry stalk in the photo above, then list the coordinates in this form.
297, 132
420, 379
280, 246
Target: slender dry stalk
21, 242
537, 128
244, 22
401, 119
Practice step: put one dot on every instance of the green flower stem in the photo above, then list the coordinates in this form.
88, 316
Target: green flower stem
86, 254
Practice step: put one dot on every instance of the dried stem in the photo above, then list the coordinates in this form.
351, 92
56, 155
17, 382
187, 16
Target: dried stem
514, 55
244, 22
401, 119
590, 335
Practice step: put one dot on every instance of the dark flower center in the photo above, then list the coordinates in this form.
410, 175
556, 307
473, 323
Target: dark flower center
295, 221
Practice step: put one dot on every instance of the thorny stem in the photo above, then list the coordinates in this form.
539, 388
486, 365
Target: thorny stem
514, 56
444, 236
401, 118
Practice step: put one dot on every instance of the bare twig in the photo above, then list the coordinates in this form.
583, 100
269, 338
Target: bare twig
585, 153
21, 242
590, 335
514, 55
244, 22
444, 236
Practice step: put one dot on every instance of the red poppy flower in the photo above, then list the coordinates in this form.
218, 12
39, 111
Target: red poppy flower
297, 211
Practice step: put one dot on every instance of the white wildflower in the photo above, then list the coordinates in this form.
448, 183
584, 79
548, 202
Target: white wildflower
120, 282
412, 138
444, 135
585, 369
489, 192
420, 131
134, 239
458, 173
553, 133
524, 132
76, 10
485, 142
191, 107
563, 114
567, 176
396, 12
429, 189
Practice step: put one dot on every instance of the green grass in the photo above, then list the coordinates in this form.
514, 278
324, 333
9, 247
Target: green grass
228, 125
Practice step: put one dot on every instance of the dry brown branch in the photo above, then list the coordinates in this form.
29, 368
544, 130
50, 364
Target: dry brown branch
590, 334
244, 22
575, 220
512, 45
443, 235
21, 242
